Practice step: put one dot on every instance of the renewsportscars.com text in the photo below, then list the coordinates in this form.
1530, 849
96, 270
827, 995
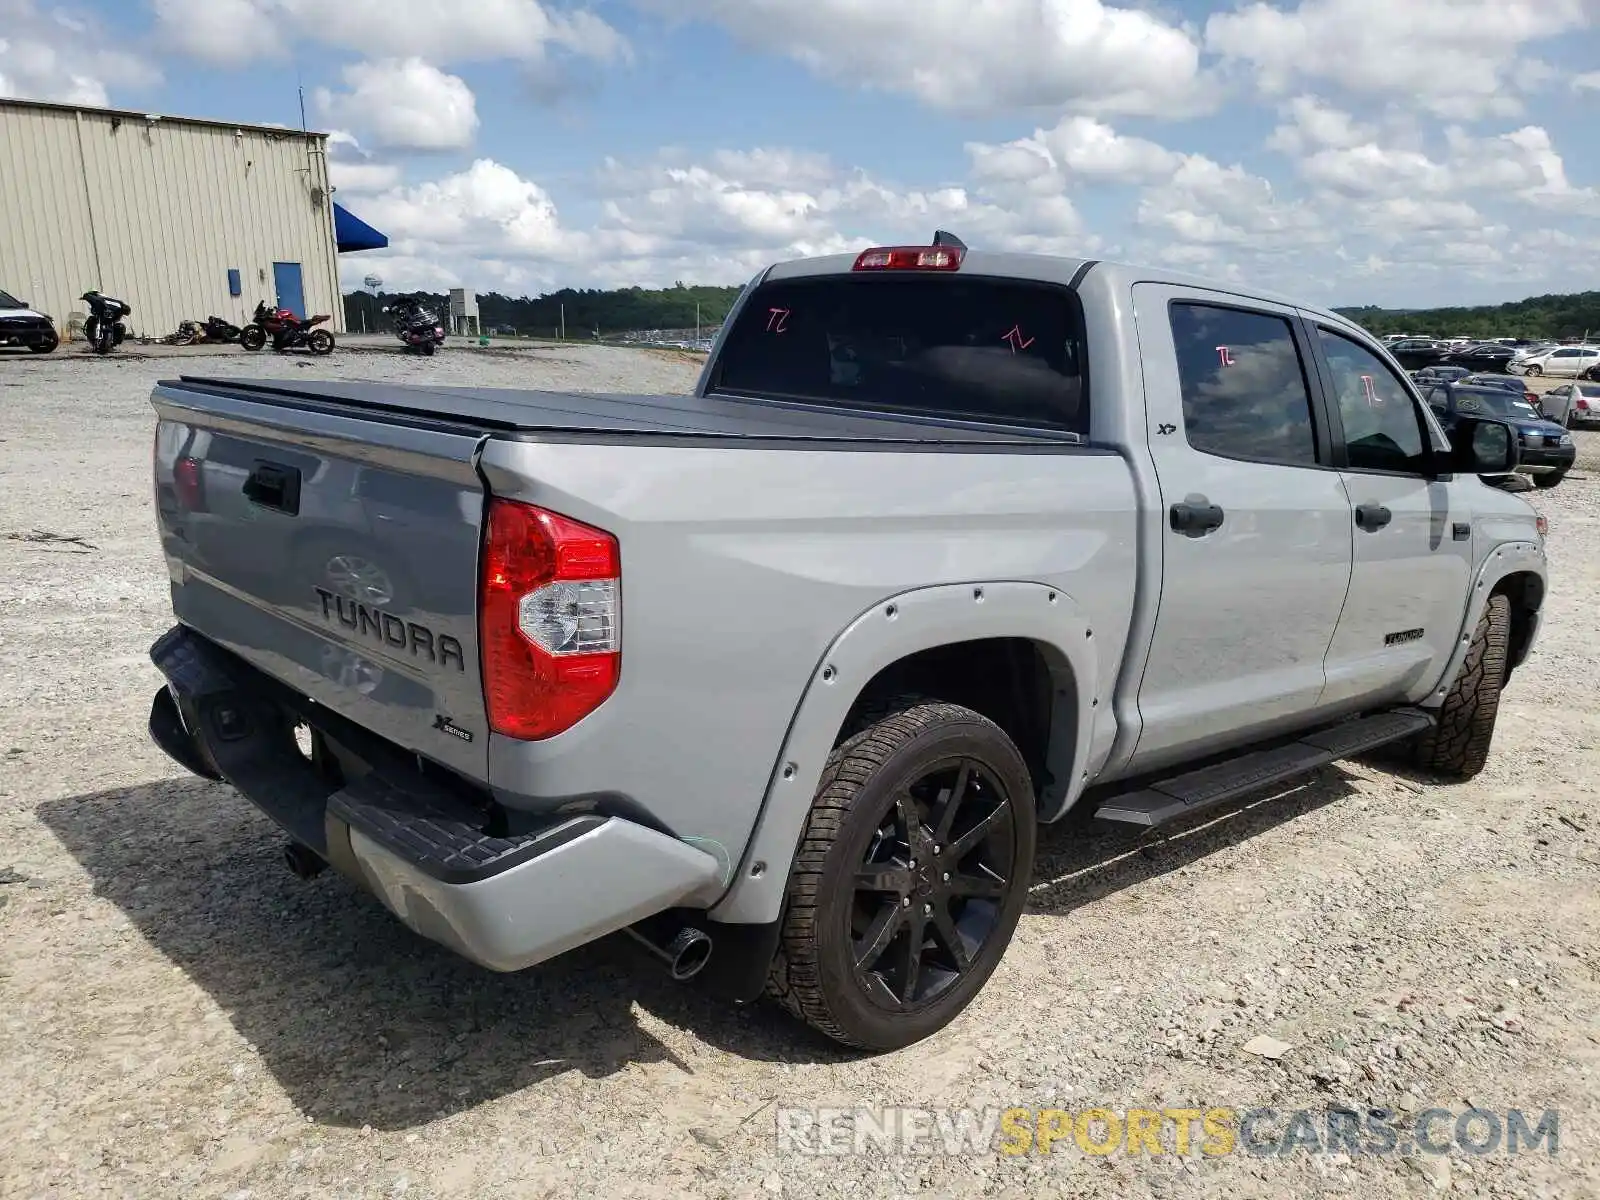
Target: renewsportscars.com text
1262, 1132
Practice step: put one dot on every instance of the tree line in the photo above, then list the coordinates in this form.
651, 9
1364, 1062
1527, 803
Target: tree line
1555, 316
584, 310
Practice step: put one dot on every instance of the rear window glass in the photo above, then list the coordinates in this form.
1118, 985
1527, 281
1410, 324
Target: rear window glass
974, 349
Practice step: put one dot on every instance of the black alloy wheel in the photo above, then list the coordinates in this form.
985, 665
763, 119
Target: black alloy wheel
928, 890
911, 875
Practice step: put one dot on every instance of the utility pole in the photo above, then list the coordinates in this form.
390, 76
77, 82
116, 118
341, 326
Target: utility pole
697, 320
563, 322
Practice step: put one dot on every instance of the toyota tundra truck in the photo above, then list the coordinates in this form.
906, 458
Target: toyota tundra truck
782, 675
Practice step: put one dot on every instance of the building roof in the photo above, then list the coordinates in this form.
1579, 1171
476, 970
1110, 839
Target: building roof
133, 114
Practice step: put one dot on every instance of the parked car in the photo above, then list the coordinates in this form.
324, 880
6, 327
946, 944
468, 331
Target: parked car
1484, 356
1439, 374
1504, 382
1573, 404
1414, 353
1562, 361
875, 633
1547, 449
23, 326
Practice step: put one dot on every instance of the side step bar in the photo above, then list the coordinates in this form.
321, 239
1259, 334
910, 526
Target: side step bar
1170, 799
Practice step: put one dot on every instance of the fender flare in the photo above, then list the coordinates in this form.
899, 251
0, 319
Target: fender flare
1507, 558
892, 629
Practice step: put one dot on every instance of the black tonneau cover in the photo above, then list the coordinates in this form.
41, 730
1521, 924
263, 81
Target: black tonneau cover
517, 411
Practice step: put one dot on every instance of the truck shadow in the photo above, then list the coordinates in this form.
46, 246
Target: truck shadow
364, 1023
1081, 861
361, 1021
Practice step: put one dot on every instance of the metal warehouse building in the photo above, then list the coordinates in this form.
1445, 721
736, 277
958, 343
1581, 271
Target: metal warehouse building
180, 218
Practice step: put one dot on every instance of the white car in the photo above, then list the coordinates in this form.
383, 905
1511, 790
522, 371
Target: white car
1572, 403
1563, 360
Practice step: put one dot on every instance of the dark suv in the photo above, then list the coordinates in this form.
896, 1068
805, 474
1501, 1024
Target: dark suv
21, 326
1547, 449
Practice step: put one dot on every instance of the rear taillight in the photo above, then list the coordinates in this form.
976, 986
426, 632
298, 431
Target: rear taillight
1583, 404
189, 483
549, 627
910, 258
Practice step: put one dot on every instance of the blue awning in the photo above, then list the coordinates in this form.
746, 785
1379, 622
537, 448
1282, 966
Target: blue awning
350, 232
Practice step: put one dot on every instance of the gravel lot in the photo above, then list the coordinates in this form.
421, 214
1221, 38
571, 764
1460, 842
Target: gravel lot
179, 1016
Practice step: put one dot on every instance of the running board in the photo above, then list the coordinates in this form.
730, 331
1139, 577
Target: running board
1172, 798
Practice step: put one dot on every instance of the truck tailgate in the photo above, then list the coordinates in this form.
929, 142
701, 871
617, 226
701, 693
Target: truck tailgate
336, 550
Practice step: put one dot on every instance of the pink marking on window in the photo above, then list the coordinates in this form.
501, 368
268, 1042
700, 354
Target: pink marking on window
1373, 399
1014, 337
1226, 355
776, 318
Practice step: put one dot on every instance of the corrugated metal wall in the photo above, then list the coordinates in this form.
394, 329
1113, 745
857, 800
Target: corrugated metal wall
174, 206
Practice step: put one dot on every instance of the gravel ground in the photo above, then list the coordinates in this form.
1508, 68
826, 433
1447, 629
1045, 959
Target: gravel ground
179, 1016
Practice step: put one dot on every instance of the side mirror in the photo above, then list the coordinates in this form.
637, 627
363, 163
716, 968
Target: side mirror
1483, 446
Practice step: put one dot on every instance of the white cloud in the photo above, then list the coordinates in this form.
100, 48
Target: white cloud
57, 56
404, 105
1312, 125
998, 55
352, 168
234, 31
1078, 148
1455, 58
224, 32
670, 218
1588, 81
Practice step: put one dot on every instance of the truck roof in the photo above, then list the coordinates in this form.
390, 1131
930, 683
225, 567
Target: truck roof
1058, 269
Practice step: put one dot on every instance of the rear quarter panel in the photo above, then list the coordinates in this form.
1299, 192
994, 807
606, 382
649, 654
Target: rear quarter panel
742, 566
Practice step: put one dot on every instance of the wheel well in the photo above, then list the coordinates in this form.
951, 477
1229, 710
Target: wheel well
1007, 680
1525, 591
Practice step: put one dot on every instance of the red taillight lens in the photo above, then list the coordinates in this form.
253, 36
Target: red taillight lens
548, 620
1583, 404
910, 258
189, 483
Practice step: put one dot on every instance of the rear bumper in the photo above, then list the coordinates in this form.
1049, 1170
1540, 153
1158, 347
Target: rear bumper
440, 858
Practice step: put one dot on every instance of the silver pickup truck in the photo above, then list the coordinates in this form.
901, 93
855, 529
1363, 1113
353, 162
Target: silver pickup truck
782, 675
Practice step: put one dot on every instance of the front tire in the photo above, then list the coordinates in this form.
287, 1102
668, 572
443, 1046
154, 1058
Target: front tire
1534, 370
910, 878
252, 337
1458, 746
1549, 481
47, 346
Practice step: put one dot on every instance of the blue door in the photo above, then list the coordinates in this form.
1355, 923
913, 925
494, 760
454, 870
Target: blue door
291, 288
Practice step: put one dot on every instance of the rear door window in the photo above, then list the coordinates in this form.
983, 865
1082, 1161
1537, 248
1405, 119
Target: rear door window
950, 346
1244, 385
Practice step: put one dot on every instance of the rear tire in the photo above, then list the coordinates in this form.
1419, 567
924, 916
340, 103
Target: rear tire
911, 875
319, 341
1458, 746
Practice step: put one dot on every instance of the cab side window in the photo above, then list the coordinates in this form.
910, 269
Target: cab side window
1383, 430
1244, 385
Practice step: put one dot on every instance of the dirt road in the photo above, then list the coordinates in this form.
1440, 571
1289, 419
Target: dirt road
179, 1016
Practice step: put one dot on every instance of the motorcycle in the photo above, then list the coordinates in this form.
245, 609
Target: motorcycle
104, 328
416, 326
286, 330
218, 330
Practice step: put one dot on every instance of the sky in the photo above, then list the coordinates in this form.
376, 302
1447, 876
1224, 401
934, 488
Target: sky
1394, 152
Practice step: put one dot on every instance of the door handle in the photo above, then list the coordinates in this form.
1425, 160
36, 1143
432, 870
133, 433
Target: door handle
1196, 517
1372, 516
274, 486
